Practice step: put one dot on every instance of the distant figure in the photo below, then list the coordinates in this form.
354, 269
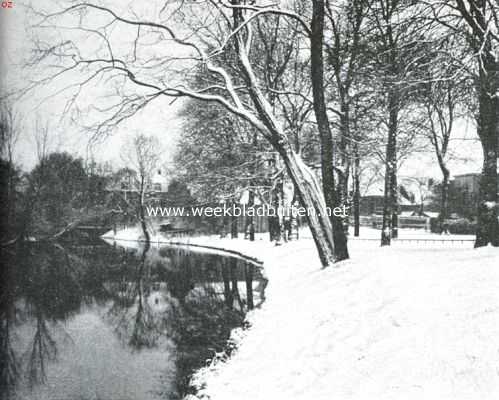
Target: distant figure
250, 231
445, 229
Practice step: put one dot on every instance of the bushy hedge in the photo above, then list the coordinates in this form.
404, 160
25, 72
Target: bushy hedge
461, 226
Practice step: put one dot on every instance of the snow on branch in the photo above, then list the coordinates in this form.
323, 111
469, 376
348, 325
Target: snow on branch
225, 92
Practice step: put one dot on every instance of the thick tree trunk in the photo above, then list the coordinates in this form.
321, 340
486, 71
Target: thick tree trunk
327, 147
488, 116
488, 130
487, 224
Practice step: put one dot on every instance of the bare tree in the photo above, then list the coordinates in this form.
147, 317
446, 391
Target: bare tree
143, 75
442, 101
142, 154
9, 175
42, 139
384, 18
344, 55
9, 130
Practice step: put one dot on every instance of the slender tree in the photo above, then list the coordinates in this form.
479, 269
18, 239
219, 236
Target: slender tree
142, 154
442, 101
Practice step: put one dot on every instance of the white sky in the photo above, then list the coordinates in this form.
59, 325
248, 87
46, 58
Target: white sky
158, 118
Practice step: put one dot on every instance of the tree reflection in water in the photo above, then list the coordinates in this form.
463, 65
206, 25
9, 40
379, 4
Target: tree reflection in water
138, 320
168, 300
9, 362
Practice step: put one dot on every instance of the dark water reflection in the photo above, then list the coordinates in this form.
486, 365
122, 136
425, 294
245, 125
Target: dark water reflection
106, 322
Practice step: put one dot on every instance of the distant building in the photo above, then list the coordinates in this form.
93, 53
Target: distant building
126, 180
372, 202
468, 183
464, 193
159, 182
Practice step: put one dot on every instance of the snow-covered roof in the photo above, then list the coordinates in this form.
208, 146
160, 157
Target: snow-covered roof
431, 214
377, 190
374, 190
402, 201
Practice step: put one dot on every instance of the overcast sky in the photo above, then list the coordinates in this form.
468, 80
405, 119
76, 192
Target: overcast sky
158, 118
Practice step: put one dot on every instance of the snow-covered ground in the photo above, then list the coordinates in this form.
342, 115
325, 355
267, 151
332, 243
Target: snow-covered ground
418, 321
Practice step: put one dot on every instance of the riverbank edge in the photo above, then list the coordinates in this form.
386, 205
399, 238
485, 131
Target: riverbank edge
199, 379
188, 244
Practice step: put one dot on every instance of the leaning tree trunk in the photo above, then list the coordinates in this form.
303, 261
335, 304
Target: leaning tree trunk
488, 131
304, 180
310, 195
327, 146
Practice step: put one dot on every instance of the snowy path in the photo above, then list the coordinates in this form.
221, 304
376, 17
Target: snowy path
391, 324
411, 322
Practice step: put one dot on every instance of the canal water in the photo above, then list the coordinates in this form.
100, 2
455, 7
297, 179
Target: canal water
103, 322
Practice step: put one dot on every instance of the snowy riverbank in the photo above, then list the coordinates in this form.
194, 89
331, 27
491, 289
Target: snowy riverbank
407, 322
